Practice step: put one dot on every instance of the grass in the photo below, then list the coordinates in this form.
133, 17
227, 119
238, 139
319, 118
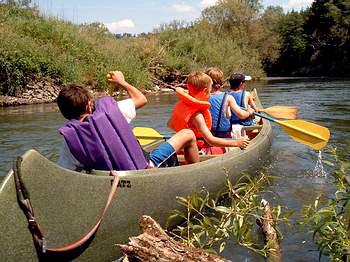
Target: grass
33, 46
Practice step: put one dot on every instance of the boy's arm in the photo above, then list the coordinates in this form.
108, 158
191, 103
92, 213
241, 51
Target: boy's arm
240, 113
117, 78
199, 122
251, 102
227, 111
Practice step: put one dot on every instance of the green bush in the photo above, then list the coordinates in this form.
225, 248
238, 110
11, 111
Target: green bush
33, 46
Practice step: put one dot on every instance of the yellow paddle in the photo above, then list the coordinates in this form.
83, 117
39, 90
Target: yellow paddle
147, 135
286, 112
310, 134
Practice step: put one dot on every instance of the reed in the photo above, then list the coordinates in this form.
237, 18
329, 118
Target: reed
212, 222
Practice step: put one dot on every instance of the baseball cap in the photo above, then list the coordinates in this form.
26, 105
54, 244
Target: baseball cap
237, 78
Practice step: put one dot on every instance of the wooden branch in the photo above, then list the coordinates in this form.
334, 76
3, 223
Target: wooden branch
160, 82
155, 245
267, 225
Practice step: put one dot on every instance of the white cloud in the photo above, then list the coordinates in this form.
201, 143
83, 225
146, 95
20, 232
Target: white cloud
120, 26
208, 3
183, 8
297, 4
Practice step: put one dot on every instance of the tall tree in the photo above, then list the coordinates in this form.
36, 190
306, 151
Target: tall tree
294, 43
328, 27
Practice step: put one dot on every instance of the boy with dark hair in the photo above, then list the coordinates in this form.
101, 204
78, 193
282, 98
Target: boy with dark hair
242, 98
98, 135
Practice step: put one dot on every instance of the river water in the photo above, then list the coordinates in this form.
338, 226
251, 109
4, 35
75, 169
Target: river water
323, 101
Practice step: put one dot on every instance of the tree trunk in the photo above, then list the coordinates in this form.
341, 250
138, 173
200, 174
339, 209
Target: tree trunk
155, 245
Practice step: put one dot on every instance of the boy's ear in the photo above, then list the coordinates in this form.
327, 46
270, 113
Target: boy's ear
89, 107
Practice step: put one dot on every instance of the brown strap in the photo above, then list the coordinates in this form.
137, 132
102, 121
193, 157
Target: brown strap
70, 251
85, 238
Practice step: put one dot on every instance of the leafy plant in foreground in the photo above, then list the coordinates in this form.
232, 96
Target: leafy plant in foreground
331, 224
210, 222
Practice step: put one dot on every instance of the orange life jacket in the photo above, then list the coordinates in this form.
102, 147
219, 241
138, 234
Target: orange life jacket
185, 109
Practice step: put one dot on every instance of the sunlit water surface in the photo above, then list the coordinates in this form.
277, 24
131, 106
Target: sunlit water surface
300, 179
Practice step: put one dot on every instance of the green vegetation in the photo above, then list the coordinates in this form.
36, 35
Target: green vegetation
211, 222
316, 41
331, 224
33, 46
233, 35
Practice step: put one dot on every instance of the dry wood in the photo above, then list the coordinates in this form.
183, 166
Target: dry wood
155, 245
268, 225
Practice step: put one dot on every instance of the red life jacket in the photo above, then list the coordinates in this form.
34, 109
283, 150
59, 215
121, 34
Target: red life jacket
185, 109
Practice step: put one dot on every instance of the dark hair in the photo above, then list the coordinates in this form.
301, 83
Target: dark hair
235, 80
72, 101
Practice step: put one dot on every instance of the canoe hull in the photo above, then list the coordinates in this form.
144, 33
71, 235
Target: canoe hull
67, 204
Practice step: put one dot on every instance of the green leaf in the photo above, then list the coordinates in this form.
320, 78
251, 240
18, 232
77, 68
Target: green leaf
222, 209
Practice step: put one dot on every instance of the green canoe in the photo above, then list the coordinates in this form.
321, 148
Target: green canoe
67, 204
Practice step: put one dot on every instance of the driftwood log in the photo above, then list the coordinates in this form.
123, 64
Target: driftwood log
155, 245
267, 224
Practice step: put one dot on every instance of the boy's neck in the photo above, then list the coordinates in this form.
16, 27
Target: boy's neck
217, 91
82, 117
202, 96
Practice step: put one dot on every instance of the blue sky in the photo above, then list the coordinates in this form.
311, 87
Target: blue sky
136, 16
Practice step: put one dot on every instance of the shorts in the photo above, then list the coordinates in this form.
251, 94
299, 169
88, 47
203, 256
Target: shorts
162, 155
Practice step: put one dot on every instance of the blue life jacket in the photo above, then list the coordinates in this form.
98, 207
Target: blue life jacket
104, 140
239, 97
224, 128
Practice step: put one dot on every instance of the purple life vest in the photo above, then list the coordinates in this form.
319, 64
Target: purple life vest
104, 140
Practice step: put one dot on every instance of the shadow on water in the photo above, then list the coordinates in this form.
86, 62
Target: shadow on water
325, 102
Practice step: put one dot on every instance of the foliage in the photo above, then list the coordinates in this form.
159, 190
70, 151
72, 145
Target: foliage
328, 26
228, 35
331, 224
209, 222
315, 41
234, 35
33, 46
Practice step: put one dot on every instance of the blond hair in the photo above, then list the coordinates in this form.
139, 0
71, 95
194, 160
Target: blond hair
199, 81
216, 75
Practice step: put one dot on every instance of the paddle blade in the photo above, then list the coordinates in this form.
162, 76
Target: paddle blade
286, 112
146, 135
307, 133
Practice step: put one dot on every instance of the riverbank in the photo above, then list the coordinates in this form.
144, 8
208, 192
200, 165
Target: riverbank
43, 91
46, 92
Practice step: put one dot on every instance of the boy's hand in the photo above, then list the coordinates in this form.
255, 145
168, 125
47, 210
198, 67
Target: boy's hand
250, 110
116, 77
243, 143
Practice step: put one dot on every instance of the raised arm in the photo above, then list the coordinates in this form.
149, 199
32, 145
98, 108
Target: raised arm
199, 122
251, 102
240, 113
117, 78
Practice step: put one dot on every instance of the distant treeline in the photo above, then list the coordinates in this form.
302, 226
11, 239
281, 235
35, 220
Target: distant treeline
235, 35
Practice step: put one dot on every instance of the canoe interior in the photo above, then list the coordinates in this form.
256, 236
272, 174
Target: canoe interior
67, 204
